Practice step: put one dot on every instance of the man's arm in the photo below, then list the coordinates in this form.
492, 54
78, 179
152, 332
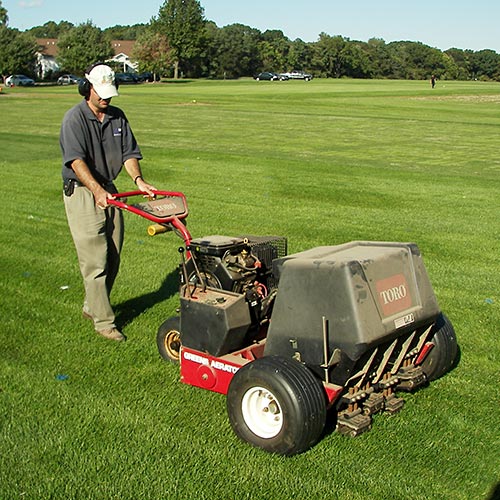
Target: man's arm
84, 175
134, 170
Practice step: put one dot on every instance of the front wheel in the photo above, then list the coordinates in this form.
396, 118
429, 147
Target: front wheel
277, 404
168, 339
444, 354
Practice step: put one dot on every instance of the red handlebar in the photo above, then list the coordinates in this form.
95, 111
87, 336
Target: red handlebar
167, 208
155, 210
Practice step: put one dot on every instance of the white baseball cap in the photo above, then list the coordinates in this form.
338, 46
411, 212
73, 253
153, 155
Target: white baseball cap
102, 78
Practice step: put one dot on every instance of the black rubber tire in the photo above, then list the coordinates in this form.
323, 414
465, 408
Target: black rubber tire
443, 356
277, 404
168, 339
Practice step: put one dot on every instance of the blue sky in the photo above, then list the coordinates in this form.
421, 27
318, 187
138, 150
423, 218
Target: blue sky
438, 23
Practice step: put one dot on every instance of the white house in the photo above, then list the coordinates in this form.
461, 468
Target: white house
48, 50
122, 50
46, 57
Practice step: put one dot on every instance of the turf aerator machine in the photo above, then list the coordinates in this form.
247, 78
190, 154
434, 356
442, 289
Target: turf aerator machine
335, 330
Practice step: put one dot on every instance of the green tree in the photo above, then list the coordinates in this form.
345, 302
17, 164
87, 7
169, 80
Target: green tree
416, 61
120, 32
299, 56
233, 51
18, 54
4, 18
183, 23
356, 61
462, 62
451, 70
51, 29
274, 49
329, 57
82, 46
379, 58
153, 53
485, 65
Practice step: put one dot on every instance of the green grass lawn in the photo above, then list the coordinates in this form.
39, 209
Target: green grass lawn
322, 163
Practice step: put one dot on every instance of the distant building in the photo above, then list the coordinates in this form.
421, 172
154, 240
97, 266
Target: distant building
48, 50
122, 50
46, 57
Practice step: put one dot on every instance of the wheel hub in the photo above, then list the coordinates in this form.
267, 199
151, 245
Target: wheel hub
262, 412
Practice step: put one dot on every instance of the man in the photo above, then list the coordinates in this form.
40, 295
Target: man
96, 142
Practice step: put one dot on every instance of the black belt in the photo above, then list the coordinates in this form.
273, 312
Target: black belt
79, 184
69, 185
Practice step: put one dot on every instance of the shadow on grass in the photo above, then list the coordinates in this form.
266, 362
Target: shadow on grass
176, 82
495, 494
127, 311
457, 359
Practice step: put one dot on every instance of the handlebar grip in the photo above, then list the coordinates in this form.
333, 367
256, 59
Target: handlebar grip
155, 229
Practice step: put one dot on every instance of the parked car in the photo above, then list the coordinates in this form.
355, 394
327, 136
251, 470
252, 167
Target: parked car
267, 75
68, 80
126, 78
299, 75
19, 81
147, 76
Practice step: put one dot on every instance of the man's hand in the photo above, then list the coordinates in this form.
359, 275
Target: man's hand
145, 187
101, 197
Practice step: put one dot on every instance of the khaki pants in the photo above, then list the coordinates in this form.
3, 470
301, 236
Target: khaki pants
98, 238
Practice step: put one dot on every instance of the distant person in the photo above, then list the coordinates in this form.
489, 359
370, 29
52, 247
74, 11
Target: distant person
433, 81
96, 142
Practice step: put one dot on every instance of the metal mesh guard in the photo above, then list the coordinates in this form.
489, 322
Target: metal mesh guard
268, 247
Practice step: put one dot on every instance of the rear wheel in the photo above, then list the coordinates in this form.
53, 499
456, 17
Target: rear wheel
277, 404
168, 339
444, 354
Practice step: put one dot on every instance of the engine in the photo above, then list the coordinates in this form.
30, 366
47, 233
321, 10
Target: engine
242, 265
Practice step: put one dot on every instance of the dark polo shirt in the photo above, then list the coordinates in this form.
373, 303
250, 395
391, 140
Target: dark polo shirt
103, 146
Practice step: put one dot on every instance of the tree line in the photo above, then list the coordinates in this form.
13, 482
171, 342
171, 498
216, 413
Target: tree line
181, 42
